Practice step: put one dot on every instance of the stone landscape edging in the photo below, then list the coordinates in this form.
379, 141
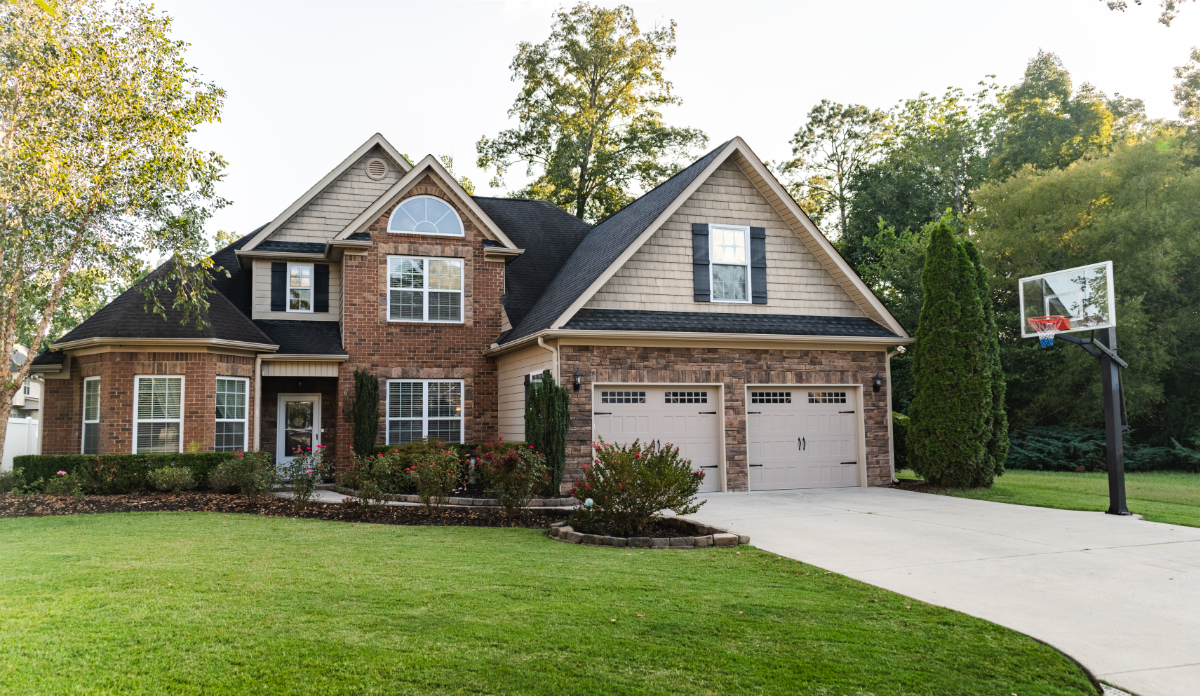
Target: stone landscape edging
553, 503
703, 536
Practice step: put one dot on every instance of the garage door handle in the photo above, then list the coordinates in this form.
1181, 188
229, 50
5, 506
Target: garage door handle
754, 413
849, 462
801, 444
601, 413
845, 411
708, 413
754, 465
715, 466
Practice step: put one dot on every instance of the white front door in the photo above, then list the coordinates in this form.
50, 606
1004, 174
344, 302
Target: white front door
802, 437
299, 425
683, 415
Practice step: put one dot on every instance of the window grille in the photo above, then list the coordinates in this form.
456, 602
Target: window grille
771, 397
827, 397
687, 397
622, 397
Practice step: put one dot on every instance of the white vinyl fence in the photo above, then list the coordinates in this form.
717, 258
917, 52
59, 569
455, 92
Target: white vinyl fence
22, 438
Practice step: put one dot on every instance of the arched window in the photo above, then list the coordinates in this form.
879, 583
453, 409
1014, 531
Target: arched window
425, 215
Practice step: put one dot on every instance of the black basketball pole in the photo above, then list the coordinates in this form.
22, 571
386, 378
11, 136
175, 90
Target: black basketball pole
1114, 425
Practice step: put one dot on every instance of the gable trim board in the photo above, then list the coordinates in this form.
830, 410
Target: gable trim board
375, 140
787, 208
428, 165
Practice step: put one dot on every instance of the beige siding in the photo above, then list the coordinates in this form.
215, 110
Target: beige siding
280, 368
659, 275
511, 370
262, 295
335, 207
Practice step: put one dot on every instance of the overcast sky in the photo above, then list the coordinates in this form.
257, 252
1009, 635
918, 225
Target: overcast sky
310, 81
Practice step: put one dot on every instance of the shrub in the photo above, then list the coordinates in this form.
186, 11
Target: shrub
251, 473
12, 481
222, 478
513, 475
304, 471
435, 475
1052, 448
63, 483
115, 473
364, 414
172, 478
547, 420
626, 485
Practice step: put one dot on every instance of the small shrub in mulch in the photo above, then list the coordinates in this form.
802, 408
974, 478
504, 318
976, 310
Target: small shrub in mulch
270, 506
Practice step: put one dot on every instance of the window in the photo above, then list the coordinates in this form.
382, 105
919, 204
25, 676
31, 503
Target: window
300, 287
622, 397
25, 388
158, 415
424, 408
425, 289
425, 215
231, 415
827, 397
678, 397
771, 397
730, 263
91, 415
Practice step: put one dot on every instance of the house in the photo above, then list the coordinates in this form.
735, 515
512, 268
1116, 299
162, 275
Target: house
27, 400
709, 313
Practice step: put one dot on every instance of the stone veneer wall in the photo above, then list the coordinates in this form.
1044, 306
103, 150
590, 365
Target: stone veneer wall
62, 414
735, 368
394, 350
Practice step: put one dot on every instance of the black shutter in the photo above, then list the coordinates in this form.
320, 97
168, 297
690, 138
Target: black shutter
758, 265
321, 287
278, 287
701, 287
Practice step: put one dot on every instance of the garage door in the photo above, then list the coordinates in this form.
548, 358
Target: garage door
802, 438
684, 416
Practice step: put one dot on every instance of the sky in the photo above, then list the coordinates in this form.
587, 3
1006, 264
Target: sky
308, 82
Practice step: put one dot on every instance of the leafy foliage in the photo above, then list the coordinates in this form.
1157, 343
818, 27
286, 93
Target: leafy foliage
304, 471
588, 109
364, 414
252, 474
1052, 448
997, 419
547, 420
118, 473
175, 479
435, 475
514, 474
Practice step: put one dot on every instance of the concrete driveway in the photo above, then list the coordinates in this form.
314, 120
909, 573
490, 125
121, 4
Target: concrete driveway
1119, 594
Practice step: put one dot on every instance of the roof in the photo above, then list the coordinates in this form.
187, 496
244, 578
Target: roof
722, 322
126, 317
601, 248
551, 235
50, 357
291, 247
304, 337
236, 288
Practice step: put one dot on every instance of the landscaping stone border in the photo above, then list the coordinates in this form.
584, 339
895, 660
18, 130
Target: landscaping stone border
470, 502
695, 536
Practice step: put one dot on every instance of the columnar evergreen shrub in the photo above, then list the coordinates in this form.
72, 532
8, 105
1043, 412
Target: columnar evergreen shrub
547, 419
364, 414
997, 444
948, 435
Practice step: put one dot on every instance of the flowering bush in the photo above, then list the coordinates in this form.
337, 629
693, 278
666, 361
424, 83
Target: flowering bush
375, 477
626, 485
512, 474
63, 483
176, 479
435, 475
304, 470
251, 473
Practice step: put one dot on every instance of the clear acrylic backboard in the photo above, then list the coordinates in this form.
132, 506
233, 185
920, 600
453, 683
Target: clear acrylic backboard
1083, 295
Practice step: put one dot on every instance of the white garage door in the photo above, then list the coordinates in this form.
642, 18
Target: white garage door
684, 416
802, 437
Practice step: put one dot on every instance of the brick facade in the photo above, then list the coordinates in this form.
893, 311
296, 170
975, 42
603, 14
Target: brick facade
62, 414
734, 368
407, 350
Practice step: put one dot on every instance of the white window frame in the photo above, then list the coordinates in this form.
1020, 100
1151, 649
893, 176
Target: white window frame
96, 422
461, 227
26, 389
312, 288
712, 245
425, 290
244, 420
425, 418
137, 381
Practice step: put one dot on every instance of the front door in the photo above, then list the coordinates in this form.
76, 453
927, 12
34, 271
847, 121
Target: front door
299, 425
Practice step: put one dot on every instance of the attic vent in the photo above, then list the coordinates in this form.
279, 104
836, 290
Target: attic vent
376, 168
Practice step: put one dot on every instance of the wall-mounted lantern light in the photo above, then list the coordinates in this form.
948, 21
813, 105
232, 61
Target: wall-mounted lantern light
578, 380
878, 383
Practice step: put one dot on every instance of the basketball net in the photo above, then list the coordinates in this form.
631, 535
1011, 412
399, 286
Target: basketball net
1047, 326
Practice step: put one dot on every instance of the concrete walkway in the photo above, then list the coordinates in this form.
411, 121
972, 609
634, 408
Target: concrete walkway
1119, 594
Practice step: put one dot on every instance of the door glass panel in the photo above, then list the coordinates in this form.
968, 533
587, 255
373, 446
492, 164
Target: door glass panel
298, 420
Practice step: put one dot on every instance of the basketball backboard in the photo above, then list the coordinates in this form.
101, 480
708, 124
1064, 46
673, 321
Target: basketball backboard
1083, 295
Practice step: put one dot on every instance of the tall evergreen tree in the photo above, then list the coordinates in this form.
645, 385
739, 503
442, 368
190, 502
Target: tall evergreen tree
947, 438
997, 445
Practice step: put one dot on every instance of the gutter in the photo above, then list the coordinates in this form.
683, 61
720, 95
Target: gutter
107, 341
554, 351
536, 338
303, 357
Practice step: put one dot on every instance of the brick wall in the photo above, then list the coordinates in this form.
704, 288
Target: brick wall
393, 350
735, 369
63, 405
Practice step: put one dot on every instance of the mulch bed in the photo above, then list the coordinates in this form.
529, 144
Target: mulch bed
919, 486
269, 506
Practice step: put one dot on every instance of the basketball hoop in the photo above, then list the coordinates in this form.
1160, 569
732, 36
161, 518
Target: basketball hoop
1047, 326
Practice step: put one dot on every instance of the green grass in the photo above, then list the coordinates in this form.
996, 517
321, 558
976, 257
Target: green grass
1159, 496
205, 603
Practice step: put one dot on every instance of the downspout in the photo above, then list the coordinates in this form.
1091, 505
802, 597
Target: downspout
555, 352
891, 439
257, 399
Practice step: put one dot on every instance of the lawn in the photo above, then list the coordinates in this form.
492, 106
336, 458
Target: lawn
208, 603
1163, 496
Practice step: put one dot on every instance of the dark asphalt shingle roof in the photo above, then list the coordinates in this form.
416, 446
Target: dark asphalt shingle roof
360, 237
292, 247
236, 288
601, 247
47, 357
720, 322
304, 337
547, 233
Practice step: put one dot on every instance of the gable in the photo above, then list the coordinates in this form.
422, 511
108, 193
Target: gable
347, 196
658, 277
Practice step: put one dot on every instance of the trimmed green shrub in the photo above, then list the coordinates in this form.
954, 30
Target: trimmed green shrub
547, 420
627, 485
116, 473
513, 475
176, 479
251, 473
364, 414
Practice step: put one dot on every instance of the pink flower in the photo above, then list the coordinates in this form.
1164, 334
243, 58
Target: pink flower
240, 454
62, 473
